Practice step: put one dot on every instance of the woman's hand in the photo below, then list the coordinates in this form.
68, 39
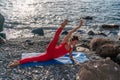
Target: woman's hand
64, 23
75, 62
81, 23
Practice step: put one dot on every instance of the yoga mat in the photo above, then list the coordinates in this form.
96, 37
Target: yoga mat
78, 56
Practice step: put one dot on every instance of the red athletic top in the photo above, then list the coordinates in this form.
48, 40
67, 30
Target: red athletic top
48, 55
60, 50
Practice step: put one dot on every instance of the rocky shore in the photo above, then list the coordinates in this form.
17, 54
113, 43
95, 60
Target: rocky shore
13, 49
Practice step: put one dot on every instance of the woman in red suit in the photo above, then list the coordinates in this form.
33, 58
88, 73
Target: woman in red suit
54, 51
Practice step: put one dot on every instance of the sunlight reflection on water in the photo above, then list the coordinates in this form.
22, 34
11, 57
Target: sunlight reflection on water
50, 13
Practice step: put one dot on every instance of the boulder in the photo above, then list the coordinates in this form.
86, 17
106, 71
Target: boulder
88, 17
2, 40
95, 43
99, 70
102, 34
64, 32
108, 50
91, 33
118, 59
2, 19
107, 26
105, 48
3, 35
38, 31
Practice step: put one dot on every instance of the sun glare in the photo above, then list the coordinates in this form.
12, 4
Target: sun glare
23, 7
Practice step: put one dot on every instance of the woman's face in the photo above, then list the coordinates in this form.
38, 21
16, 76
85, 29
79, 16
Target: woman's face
73, 43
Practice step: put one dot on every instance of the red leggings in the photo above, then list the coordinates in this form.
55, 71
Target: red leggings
47, 55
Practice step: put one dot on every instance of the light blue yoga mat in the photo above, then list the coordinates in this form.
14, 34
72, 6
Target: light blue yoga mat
79, 56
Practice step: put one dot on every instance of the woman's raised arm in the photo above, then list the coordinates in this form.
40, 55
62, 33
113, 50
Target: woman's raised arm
66, 38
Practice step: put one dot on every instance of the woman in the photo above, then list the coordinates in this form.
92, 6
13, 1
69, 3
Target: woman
52, 50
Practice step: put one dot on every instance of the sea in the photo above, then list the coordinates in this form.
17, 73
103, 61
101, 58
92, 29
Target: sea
22, 16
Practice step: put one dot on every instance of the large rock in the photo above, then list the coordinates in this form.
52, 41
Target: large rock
2, 40
88, 17
38, 31
109, 26
99, 70
2, 19
118, 59
108, 50
91, 32
64, 32
105, 47
3, 35
98, 42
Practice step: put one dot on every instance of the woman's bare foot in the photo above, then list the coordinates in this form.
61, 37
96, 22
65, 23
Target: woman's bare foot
14, 63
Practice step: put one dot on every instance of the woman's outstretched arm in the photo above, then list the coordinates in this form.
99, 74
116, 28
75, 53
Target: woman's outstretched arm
66, 38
